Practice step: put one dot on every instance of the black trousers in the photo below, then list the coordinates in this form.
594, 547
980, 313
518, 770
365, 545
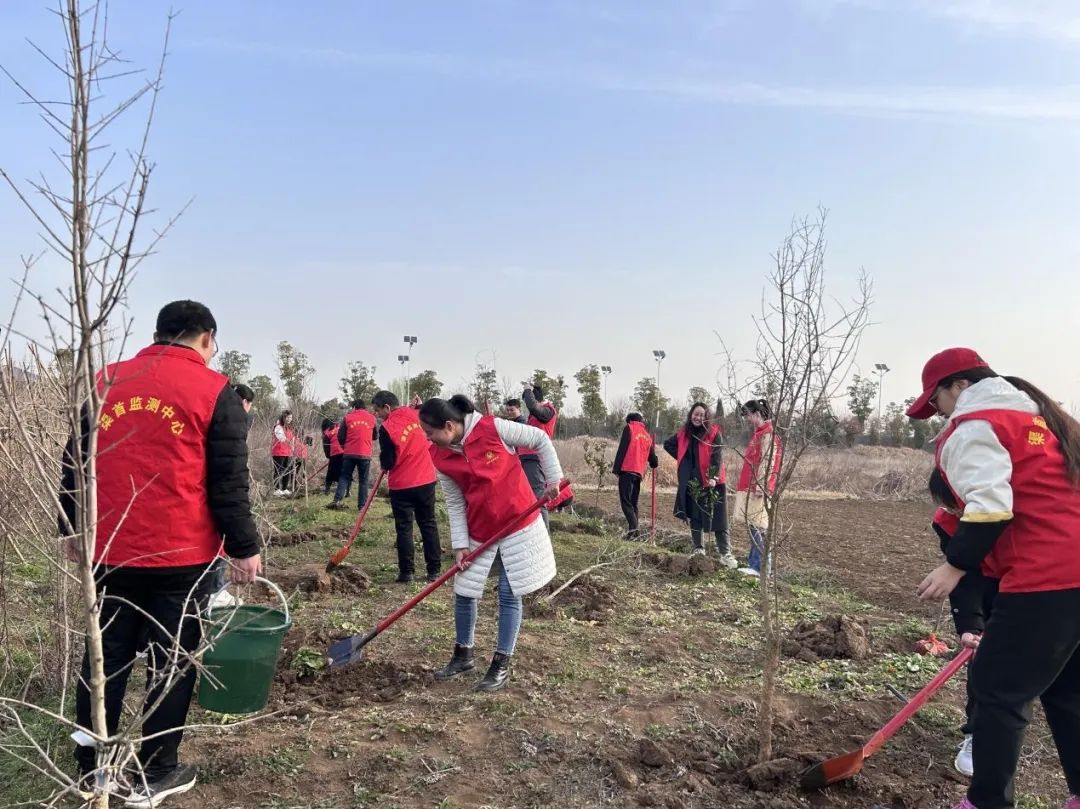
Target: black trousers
1029, 651
417, 503
987, 589
283, 473
710, 514
535, 473
629, 492
333, 472
128, 597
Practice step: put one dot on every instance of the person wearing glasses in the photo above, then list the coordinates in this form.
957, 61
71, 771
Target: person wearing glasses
172, 494
1011, 457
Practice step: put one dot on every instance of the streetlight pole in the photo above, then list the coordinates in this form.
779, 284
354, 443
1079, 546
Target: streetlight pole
659, 354
410, 340
880, 369
606, 370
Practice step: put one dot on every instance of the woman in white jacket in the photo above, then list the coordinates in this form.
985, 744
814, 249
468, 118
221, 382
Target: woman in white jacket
484, 485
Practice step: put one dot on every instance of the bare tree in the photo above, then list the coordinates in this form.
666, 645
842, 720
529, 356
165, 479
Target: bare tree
91, 222
806, 344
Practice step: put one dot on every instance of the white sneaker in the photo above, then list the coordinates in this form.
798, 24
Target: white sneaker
749, 571
729, 561
279, 492
964, 763
287, 493
698, 552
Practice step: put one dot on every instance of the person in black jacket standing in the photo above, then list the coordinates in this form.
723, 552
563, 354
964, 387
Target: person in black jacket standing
636, 448
172, 491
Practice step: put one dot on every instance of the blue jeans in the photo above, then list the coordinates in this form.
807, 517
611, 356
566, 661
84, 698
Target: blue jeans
757, 548
362, 465
509, 616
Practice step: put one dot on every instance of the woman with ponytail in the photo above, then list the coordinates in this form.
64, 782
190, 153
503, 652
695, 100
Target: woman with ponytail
750, 490
484, 485
1011, 457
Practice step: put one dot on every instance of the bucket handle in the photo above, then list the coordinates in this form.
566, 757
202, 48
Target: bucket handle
277, 590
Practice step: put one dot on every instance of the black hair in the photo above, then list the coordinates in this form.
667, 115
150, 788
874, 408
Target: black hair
327, 424
759, 406
634, 416
284, 414
689, 424
244, 392
436, 412
357, 404
385, 398
513, 403
940, 491
1064, 427
184, 320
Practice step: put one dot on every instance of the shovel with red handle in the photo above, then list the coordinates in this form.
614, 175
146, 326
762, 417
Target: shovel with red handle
351, 649
849, 764
341, 553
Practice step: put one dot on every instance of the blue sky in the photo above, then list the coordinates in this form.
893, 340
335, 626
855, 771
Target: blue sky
573, 182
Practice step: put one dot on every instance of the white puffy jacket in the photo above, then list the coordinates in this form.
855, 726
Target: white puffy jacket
527, 554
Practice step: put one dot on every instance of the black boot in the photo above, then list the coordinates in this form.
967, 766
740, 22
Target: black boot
461, 662
498, 674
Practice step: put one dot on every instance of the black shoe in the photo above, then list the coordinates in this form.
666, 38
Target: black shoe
461, 662
498, 674
403, 578
150, 793
334, 506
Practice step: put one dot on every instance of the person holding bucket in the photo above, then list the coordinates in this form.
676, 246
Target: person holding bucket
172, 489
484, 485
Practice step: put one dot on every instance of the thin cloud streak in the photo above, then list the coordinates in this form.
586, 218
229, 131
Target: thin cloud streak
1061, 104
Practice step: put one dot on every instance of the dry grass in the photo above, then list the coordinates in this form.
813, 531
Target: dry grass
871, 473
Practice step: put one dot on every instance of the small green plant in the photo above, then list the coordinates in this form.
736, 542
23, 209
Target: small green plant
596, 460
308, 662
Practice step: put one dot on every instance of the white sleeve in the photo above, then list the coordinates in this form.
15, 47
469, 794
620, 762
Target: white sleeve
455, 512
979, 470
516, 435
279, 433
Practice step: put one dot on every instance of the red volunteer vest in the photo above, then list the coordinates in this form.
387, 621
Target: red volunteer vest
637, 450
755, 453
547, 427
331, 434
946, 520
490, 478
282, 449
1040, 550
361, 425
151, 465
712, 435
413, 466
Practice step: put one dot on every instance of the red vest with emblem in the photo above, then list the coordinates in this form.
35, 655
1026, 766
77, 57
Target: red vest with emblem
331, 434
282, 449
152, 500
358, 437
490, 478
755, 453
705, 447
413, 466
548, 427
637, 450
1040, 550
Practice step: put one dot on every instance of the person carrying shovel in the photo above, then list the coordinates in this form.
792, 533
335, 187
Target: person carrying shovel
1011, 456
484, 485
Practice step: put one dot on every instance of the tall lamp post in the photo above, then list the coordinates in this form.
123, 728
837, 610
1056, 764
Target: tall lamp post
606, 371
880, 369
659, 354
409, 340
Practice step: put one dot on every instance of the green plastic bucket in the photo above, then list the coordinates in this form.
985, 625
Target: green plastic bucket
242, 656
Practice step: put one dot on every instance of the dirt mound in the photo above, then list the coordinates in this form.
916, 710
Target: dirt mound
678, 565
366, 681
836, 636
588, 598
296, 538
314, 580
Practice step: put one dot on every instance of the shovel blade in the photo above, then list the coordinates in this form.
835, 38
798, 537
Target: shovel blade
832, 770
344, 652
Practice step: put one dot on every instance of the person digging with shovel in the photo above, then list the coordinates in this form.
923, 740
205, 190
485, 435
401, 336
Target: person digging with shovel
1011, 457
484, 485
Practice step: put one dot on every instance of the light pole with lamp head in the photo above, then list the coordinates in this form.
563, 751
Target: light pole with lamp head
659, 354
410, 340
880, 369
606, 371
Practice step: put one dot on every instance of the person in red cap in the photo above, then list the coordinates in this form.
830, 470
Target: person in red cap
1010, 455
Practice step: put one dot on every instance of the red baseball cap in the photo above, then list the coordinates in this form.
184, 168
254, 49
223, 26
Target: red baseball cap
941, 366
